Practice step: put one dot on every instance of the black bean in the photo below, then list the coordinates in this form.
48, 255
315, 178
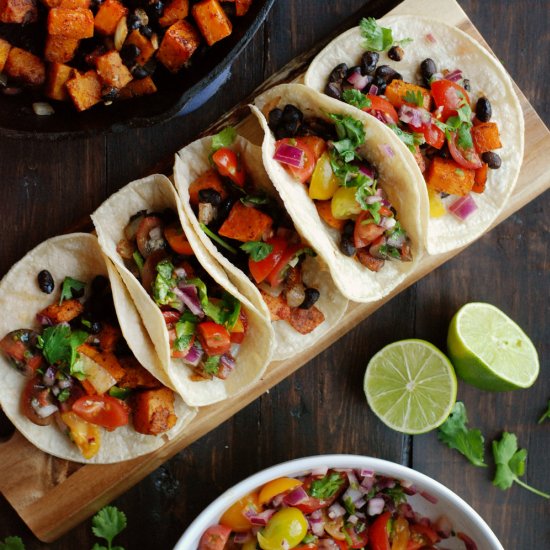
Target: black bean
346, 246
466, 85
77, 293
338, 73
157, 8
387, 73
483, 109
312, 295
380, 83
210, 195
275, 116
139, 72
333, 90
291, 113
95, 327
128, 54
224, 208
396, 53
369, 61
291, 127
427, 70
133, 22
280, 133
492, 159
45, 281
146, 31
349, 228
100, 284
109, 93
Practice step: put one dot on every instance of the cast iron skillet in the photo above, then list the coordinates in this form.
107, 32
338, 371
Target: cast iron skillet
18, 120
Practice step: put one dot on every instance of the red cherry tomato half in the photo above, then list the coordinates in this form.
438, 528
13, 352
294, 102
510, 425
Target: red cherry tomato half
433, 135
378, 532
467, 158
365, 233
276, 277
102, 410
260, 270
381, 105
20, 347
171, 316
177, 240
356, 540
215, 538
302, 174
229, 165
448, 95
34, 390
214, 338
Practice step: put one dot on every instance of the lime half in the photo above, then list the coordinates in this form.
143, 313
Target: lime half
411, 386
489, 350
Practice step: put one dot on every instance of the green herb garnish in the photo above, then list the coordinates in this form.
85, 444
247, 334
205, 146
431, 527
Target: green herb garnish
107, 524
119, 393
219, 240
545, 415
376, 38
69, 286
212, 365
224, 139
138, 258
410, 140
12, 543
327, 486
59, 345
356, 98
416, 98
258, 250
184, 334
255, 200
163, 285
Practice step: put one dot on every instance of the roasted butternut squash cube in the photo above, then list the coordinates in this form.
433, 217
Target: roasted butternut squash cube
211, 20
136, 376
60, 49
18, 11
112, 71
58, 74
5, 48
137, 88
75, 4
242, 6
145, 45
25, 67
178, 45
486, 137
108, 16
400, 93
447, 176
64, 312
51, 3
84, 89
245, 223
75, 24
105, 359
174, 11
153, 411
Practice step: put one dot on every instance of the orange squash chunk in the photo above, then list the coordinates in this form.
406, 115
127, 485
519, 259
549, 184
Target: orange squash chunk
58, 75
84, 89
486, 137
60, 49
108, 15
137, 88
480, 178
178, 45
75, 24
174, 11
445, 176
211, 20
112, 71
398, 89
153, 411
208, 180
24, 66
18, 11
245, 223
64, 312
5, 48
325, 211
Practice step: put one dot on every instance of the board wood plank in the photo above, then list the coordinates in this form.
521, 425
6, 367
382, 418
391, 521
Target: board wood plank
43, 489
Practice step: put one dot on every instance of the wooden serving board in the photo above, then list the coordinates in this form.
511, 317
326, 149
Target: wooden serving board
44, 489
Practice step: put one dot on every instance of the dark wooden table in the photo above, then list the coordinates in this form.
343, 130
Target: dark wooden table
49, 187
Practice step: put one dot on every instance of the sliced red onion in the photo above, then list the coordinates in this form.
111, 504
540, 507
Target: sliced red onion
443, 527
227, 361
288, 154
454, 76
194, 356
429, 497
368, 473
296, 496
43, 411
368, 483
353, 481
353, 519
384, 482
468, 542
44, 320
190, 298
242, 538
410, 489
415, 116
358, 80
352, 494
375, 506
382, 117
179, 305
373, 90
386, 149
180, 272
431, 38
56, 391
320, 471
336, 510
259, 519
49, 377
463, 207
405, 509
359, 503
65, 383
367, 171
387, 223
372, 199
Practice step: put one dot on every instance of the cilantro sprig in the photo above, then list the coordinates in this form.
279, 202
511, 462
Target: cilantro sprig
377, 38
545, 415
225, 138
455, 433
411, 140
356, 98
59, 345
327, 486
416, 98
107, 524
510, 462
70, 289
258, 250
12, 543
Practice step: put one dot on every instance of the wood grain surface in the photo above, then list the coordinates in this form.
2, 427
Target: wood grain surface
49, 187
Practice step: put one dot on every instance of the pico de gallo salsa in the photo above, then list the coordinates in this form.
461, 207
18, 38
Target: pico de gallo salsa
205, 324
343, 185
80, 372
328, 510
451, 135
255, 233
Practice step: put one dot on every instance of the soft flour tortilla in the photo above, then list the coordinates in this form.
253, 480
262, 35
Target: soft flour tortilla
402, 186
452, 49
154, 194
193, 161
76, 255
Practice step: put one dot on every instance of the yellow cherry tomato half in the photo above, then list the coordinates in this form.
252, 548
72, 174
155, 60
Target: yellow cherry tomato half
344, 205
285, 529
323, 182
234, 516
276, 487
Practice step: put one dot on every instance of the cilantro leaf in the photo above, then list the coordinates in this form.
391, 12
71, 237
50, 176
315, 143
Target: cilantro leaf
258, 250
255, 200
59, 344
454, 433
327, 486
107, 524
217, 239
225, 312
376, 38
410, 140
545, 415
356, 98
12, 543
404, 41
224, 139
70, 288
184, 334
163, 285
510, 464
415, 98
465, 137
212, 365
350, 131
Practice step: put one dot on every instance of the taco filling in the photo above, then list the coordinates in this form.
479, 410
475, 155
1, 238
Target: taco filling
81, 373
254, 232
450, 133
205, 324
343, 185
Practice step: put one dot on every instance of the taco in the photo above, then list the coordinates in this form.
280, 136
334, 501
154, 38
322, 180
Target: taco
73, 380
450, 102
211, 341
239, 218
346, 185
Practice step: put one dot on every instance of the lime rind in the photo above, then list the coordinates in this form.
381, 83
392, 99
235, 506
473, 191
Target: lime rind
411, 386
489, 350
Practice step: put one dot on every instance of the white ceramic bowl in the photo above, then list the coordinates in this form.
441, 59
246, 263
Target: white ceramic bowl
462, 516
